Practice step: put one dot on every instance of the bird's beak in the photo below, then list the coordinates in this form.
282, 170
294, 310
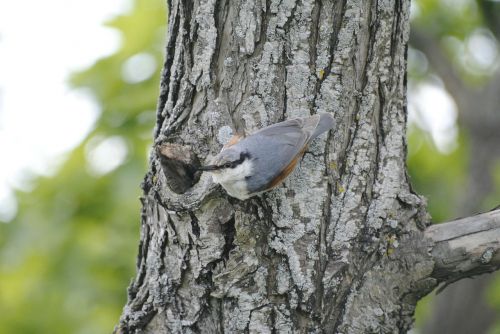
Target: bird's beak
208, 168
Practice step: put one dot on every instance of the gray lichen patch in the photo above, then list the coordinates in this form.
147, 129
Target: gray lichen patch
224, 134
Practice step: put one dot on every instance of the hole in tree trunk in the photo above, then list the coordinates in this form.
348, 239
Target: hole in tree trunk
180, 166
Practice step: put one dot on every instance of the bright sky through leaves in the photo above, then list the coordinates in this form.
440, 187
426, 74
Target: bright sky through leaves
41, 44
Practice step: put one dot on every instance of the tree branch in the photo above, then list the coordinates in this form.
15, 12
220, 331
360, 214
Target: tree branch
465, 247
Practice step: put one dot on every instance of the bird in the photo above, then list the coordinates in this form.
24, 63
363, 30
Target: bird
250, 165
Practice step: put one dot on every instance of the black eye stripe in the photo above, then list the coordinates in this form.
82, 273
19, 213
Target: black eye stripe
234, 164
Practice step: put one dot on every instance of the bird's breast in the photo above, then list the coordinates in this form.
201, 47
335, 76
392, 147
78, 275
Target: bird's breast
233, 180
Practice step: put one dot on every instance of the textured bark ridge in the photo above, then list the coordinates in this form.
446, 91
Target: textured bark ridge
339, 247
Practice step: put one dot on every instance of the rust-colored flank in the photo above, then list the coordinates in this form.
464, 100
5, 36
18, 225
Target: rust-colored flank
234, 139
286, 171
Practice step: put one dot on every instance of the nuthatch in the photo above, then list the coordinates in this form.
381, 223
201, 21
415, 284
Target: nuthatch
247, 166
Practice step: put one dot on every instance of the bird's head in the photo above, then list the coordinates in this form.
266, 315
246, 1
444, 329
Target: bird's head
228, 158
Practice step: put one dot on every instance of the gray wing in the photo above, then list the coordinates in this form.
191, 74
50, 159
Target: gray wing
312, 126
273, 148
291, 128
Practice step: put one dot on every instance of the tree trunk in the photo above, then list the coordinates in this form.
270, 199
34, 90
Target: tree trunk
340, 246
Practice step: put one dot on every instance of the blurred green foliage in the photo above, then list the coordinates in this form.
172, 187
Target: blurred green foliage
447, 17
68, 256
426, 165
441, 177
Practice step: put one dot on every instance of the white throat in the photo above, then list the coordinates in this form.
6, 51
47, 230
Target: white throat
233, 179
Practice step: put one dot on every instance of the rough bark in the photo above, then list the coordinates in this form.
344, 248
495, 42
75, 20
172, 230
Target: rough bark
339, 247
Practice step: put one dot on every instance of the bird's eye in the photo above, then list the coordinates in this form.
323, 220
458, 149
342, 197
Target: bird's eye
227, 165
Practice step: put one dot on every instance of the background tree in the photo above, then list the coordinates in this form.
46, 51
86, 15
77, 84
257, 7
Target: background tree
463, 51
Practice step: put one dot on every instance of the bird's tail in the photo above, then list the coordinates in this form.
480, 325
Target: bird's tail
325, 123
